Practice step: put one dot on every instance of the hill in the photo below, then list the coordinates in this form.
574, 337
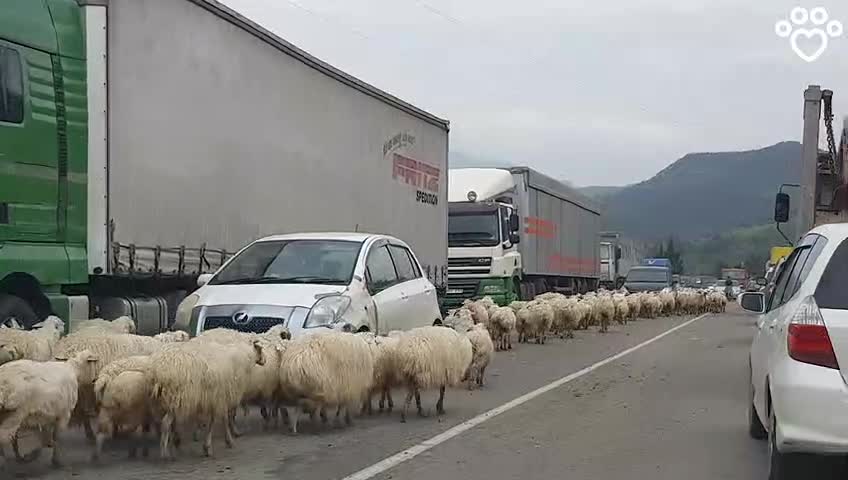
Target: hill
747, 246
703, 194
600, 193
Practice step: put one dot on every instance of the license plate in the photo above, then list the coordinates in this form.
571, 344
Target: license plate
454, 291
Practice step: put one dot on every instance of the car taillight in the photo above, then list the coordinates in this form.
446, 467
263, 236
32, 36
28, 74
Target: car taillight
807, 338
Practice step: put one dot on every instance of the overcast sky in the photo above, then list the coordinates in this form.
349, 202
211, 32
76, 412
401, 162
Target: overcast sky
596, 92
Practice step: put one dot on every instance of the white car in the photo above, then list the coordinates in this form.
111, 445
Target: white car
799, 356
356, 281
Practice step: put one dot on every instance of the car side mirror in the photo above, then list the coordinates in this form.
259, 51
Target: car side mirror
618, 253
781, 207
753, 302
513, 223
514, 238
203, 279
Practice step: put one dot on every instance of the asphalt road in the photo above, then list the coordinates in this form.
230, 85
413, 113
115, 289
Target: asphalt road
670, 409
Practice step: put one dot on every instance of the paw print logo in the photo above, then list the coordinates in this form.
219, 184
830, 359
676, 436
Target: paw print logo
815, 39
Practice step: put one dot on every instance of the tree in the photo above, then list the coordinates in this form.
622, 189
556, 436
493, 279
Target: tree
674, 256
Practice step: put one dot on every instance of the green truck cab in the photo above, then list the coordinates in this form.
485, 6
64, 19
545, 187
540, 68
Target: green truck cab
43, 158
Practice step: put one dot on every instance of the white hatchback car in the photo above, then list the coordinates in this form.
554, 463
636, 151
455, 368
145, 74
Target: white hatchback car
309, 281
799, 356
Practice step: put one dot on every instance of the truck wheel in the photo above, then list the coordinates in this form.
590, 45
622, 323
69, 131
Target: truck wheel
16, 313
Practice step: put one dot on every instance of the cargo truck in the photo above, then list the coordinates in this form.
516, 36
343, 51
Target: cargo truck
514, 233
618, 254
143, 142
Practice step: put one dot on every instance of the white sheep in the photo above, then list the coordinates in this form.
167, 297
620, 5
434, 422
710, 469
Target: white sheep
460, 319
41, 396
384, 350
482, 352
534, 320
122, 324
201, 382
431, 357
107, 348
502, 324
604, 311
123, 400
325, 370
622, 308
479, 311
37, 344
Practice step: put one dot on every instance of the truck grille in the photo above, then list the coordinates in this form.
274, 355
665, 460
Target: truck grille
460, 289
253, 325
470, 265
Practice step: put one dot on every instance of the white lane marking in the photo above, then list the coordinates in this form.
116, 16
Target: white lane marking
412, 452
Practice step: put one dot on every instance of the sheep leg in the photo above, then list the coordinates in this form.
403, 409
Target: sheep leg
482, 374
27, 458
56, 461
440, 405
406, 404
165, 437
232, 423
145, 430
382, 403
207, 442
348, 420
293, 413
323, 415
418, 403
89, 430
388, 393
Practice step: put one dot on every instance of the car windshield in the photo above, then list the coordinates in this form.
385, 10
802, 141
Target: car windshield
328, 262
473, 229
647, 275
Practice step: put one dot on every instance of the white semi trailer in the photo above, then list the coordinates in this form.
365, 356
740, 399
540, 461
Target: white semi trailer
514, 233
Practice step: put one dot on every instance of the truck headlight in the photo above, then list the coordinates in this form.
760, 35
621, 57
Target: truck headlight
327, 311
183, 317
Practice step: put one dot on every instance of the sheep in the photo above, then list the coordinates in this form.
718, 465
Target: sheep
517, 305
98, 325
331, 369
173, 337
668, 303
482, 352
534, 321
460, 319
123, 399
622, 308
431, 357
107, 348
654, 305
502, 324
225, 335
479, 311
200, 381
264, 380
634, 302
36, 345
384, 350
604, 311
42, 396
564, 316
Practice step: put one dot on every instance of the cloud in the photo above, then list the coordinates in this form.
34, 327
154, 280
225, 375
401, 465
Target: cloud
603, 92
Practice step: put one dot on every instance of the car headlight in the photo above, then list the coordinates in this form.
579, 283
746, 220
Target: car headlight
327, 311
183, 317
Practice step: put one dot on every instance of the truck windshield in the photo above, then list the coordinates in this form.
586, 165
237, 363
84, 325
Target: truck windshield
647, 275
329, 262
473, 229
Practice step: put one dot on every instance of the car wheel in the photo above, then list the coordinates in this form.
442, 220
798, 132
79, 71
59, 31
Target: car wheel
782, 466
16, 313
755, 427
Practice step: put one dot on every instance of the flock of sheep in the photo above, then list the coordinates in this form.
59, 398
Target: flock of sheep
112, 382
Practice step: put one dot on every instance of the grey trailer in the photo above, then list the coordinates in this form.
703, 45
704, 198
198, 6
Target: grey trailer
559, 242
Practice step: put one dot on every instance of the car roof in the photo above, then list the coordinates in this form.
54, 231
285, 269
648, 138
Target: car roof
343, 236
833, 231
